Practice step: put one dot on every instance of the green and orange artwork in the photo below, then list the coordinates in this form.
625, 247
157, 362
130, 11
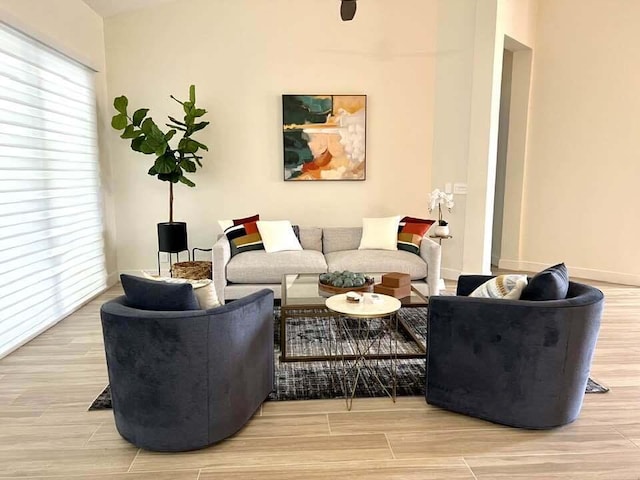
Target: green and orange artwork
324, 137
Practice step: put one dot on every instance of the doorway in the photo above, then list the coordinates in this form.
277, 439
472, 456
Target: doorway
511, 156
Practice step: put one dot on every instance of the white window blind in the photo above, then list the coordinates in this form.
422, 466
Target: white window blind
51, 245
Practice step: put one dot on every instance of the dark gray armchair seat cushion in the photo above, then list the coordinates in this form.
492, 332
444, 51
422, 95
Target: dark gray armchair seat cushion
184, 380
515, 362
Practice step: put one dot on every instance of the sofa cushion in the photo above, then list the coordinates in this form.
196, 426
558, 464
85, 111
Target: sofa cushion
278, 235
224, 224
311, 238
508, 287
244, 237
380, 233
549, 284
411, 230
377, 261
259, 266
335, 239
147, 294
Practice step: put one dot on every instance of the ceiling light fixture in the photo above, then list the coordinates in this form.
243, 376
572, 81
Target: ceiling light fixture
347, 10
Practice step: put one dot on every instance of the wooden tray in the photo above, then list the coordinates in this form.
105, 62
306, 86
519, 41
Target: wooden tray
328, 290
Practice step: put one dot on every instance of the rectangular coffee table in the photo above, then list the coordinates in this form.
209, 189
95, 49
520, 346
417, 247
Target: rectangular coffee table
301, 298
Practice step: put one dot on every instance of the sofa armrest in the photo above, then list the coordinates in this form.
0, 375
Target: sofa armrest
430, 252
221, 254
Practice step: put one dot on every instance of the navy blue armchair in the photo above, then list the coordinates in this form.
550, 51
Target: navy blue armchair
514, 362
183, 380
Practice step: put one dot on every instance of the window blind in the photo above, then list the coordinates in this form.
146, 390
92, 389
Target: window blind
51, 244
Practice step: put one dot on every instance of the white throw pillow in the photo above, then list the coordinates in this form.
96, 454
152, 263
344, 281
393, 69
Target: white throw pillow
380, 233
503, 286
278, 236
204, 289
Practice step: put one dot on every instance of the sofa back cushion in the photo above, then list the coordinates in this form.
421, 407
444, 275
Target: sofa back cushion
311, 238
336, 239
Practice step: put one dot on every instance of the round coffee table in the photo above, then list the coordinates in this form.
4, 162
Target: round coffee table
373, 306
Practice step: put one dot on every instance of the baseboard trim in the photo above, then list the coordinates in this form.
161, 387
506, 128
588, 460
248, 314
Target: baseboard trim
450, 273
576, 272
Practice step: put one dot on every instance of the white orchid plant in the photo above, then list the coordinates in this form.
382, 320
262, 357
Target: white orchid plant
440, 199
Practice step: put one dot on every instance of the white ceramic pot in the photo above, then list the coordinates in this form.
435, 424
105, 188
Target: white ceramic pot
441, 231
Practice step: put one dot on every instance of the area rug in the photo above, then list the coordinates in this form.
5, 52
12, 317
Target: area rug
318, 380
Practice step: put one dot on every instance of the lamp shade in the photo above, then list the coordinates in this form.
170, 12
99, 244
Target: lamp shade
348, 9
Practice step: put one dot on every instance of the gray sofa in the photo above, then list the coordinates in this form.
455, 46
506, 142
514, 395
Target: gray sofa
324, 249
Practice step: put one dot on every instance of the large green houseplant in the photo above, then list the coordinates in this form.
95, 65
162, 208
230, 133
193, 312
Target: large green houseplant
171, 162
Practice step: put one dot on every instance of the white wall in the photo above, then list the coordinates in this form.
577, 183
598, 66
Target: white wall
582, 168
455, 29
242, 55
71, 27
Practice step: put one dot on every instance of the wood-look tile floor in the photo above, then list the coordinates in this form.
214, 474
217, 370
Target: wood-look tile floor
46, 431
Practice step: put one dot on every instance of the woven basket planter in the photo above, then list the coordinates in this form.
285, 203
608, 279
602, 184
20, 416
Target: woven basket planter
192, 270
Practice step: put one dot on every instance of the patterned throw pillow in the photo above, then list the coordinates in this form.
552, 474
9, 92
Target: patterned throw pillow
410, 233
244, 237
224, 224
503, 286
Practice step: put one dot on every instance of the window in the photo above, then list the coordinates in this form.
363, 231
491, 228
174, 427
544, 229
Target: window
51, 244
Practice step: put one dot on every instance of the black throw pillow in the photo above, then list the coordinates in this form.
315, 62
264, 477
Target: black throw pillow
148, 294
549, 284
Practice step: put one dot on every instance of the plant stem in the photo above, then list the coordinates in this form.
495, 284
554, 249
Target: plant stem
170, 202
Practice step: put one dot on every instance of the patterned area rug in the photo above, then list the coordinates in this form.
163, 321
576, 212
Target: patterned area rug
318, 380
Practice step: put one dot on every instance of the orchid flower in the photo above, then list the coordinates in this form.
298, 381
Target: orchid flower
440, 199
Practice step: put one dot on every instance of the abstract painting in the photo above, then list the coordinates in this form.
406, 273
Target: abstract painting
324, 137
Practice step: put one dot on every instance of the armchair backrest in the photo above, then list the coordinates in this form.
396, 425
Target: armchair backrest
179, 380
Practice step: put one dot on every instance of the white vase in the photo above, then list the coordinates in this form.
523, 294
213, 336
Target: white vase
441, 231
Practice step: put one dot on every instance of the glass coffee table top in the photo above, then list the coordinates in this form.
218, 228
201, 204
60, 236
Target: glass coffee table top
301, 290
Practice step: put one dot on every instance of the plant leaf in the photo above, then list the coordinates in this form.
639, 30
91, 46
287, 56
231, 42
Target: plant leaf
136, 144
187, 106
139, 115
198, 112
120, 104
200, 145
192, 94
161, 148
164, 164
119, 121
172, 177
131, 132
177, 121
169, 135
152, 171
186, 181
177, 127
188, 165
146, 147
199, 126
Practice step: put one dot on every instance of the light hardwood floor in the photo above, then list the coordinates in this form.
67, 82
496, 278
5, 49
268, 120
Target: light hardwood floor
46, 431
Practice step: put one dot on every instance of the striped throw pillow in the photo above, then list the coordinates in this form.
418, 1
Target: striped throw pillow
244, 237
410, 233
503, 286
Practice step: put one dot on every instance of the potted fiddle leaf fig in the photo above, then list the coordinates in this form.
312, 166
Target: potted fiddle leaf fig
171, 163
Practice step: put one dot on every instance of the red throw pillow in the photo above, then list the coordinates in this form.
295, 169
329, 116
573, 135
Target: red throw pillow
411, 230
